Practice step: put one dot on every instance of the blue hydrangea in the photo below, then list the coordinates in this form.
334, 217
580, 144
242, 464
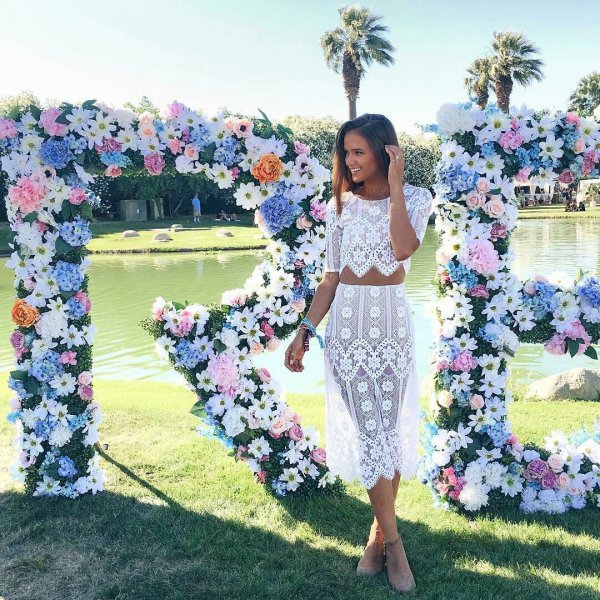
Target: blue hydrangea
278, 212
79, 421
77, 144
280, 488
75, 308
589, 289
66, 467
77, 232
226, 151
68, 276
17, 386
498, 434
488, 149
56, 153
187, 355
460, 273
200, 137
115, 158
46, 367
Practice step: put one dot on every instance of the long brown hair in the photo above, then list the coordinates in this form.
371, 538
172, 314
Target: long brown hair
379, 132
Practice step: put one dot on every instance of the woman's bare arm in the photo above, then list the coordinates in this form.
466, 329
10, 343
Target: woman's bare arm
323, 297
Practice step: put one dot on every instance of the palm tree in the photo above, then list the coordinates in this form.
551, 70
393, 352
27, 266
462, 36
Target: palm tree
354, 46
586, 97
479, 80
512, 56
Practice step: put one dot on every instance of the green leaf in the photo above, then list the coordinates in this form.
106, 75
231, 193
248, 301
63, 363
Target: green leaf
80, 160
36, 111
198, 409
573, 346
178, 305
495, 191
62, 118
30, 217
219, 346
89, 104
85, 210
265, 118
591, 352
65, 211
62, 247
19, 375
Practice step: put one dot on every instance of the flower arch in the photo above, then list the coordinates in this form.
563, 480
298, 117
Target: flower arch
472, 459
50, 158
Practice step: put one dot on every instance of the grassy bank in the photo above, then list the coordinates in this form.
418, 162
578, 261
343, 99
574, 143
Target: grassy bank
180, 520
557, 211
108, 236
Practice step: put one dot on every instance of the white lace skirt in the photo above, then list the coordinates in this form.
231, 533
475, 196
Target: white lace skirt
371, 385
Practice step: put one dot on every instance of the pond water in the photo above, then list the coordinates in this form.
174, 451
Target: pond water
123, 288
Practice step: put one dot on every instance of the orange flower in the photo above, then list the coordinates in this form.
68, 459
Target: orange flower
23, 314
268, 168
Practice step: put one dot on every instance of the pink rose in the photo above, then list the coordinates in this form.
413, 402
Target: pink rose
85, 378
154, 163
302, 222
564, 481
48, 122
573, 119
575, 331
235, 297
298, 305
175, 145
498, 231
483, 185
273, 344
147, 130
512, 439
7, 129
14, 404
295, 432
86, 392
264, 375
566, 177
522, 175
530, 289
262, 476
191, 152
318, 210
494, 207
17, 340
256, 347
556, 462
319, 455
579, 146
68, 358
290, 416
300, 148
278, 427
113, 171
266, 329
441, 365
477, 402
77, 196
475, 200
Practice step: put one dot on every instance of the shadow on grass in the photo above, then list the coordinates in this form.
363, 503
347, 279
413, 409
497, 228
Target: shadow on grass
112, 546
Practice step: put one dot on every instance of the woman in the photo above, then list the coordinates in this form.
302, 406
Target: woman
374, 223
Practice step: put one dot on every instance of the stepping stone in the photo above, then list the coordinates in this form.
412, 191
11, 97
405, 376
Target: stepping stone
162, 237
224, 233
130, 233
575, 384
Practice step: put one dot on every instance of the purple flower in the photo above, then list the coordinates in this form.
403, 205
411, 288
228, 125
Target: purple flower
536, 469
549, 480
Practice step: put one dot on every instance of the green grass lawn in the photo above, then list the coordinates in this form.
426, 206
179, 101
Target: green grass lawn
107, 235
557, 211
180, 519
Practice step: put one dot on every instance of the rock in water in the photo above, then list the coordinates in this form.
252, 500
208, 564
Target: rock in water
579, 384
162, 237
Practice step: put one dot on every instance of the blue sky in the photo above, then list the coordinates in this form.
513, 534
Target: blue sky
259, 53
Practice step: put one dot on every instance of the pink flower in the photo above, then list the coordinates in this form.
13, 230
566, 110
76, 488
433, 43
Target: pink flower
185, 325
14, 404
235, 172
482, 257
154, 163
7, 129
479, 291
262, 476
224, 373
113, 171
318, 210
498, 231
236, 297
573, 118
86, 392
266, 329
68, 358
564, 481
84, 378
475, 200
278, 427
17, 339
147, 130
109, 145
174, 110
530, 289
302, 222
575, 331
84, 300
27, 194
295, 432
264, 375
566, 177
298, 305
512, 439
290, 416
243, 128
442, 365
241, 450
48, 122
579, 146
536, 469
483, 185
445, 279
300, 148
191, 152
522, 175
319, 455
77, 196
302, 163
556, 345
511, 140
549, 480
273, 344
494, 207
477, 402
556, 462
256, 347
464, 362
42, 226
175, 145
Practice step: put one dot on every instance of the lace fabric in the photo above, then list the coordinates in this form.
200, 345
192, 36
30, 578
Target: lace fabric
360, 236
371, 384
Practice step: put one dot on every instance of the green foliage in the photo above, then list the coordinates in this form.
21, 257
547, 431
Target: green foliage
421, 155
318, 133
144, 105
586, 95
12, 107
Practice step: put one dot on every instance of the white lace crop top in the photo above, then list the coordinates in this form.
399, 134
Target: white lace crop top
360, 237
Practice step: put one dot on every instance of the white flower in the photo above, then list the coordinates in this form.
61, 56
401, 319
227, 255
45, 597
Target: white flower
47, 487
551, 147
259, 447
292, 478
232, 421
453, 119
511, 484
32, 444
473, 496
222, 176
63, 384
492, 166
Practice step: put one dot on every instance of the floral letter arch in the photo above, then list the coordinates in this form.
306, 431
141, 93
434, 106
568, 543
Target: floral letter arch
472, 459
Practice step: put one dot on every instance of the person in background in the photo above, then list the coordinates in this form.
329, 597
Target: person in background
581, 205
196, 208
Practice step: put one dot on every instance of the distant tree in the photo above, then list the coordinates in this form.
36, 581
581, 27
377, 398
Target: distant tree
586, 97
513, 60
145, 105
479, 80
12, 107
353, 47
318, 133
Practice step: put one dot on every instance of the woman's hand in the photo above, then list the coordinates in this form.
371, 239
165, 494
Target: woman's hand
396, 170
295, 352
